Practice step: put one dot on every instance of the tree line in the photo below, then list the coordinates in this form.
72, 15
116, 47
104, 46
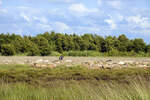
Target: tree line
48, 42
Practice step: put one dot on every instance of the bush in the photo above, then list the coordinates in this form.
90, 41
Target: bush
54, 53
113, 52
7, 50
82, 53
132, 53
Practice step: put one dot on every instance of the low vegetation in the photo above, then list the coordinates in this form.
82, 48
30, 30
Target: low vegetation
22, 82
36, 76
73, 90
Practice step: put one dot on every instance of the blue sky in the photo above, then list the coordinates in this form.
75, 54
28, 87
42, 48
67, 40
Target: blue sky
102, 17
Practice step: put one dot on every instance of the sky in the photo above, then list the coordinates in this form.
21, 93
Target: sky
102, 17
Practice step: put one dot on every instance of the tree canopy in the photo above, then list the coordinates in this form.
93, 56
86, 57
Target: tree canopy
44, 44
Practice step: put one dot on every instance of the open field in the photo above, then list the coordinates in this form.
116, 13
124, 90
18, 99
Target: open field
20, 81
90, 62
44, 76
24, 59
87, 62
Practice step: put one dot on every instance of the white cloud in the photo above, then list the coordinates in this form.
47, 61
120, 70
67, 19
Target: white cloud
101, 30
120, 17
144, 32
3, 11
115, 4
80, 8
45, 27
138, 21
28, 10
53, 1
41, 19
23, 15
0, 2
65, 1
32, 15
111, 23
61, 27
99, 2
116, 17
88, 29
135, 19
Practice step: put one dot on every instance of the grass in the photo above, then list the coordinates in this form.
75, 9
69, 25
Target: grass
74, 90
92, 53
36, 76
83, 53
22, 82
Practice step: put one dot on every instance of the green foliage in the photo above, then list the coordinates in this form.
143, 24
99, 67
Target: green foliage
75, 45
7, 49
82, 53
19, 44
34, 50
113, 52
54, 53
139, 45
148, 48
123, 43
43, 45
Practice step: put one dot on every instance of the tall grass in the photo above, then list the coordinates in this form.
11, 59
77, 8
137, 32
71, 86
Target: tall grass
21, 82
77, 90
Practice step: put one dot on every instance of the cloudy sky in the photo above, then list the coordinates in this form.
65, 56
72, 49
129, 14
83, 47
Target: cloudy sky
103, 17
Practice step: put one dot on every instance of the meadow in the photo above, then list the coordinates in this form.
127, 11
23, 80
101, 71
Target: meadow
22, 82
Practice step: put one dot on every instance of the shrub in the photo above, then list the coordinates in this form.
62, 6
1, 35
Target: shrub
7, 50
113, 52
54, 53
82, 53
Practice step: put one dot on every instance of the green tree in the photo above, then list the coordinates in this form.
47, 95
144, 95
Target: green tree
76, 40
130, 46
98, 40
110, 43
34, 50
70, 42
43, 45
19, 44
148, 48
7, 49
139, 45
123, 43
88, 41
58, 42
